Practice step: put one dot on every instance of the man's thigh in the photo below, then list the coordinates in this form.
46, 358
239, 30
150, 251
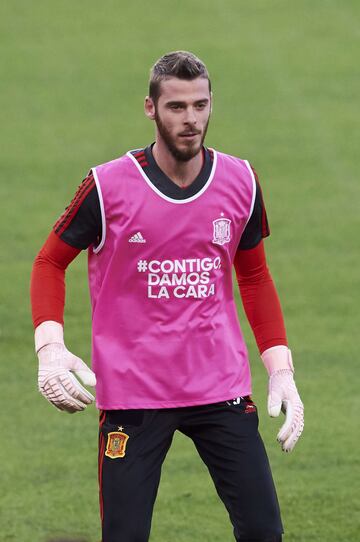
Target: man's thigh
227, 439
132, 447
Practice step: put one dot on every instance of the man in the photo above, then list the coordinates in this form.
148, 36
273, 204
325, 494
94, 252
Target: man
164, 225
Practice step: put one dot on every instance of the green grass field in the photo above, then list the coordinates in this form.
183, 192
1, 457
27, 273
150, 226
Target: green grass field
286, 90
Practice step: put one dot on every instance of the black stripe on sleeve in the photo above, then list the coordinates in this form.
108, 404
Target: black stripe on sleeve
85, 228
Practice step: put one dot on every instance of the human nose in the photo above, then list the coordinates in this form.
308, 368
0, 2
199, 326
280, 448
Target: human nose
190, 117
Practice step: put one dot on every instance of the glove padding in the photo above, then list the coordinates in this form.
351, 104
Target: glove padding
56, 380
283, 396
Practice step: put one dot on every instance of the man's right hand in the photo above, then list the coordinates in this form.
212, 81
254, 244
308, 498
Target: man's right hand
56, 380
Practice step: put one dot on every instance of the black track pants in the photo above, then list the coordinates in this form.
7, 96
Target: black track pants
133, 445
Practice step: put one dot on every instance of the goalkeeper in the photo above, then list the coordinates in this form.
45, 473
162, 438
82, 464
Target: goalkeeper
164, 226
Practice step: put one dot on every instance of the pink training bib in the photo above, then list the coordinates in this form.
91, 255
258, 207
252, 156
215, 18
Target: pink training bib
165, 330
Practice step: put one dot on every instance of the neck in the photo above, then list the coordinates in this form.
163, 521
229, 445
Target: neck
181, 173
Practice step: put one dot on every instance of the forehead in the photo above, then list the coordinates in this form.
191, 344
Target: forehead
174, 89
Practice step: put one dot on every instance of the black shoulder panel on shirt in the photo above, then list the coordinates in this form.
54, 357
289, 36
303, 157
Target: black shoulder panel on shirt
85, 227
258, 226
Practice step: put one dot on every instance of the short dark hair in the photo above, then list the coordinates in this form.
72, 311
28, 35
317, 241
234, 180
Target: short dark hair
181, 64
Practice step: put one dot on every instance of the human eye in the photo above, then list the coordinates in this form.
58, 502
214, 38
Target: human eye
201, 105
175, 107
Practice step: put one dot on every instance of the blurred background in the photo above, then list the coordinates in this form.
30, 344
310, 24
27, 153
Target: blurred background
285, 77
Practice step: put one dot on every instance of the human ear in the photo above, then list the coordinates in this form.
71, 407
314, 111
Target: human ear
149, 108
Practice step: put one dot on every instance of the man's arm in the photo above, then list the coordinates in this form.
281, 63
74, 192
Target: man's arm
260, 298
77, 228
263, 310
47, 287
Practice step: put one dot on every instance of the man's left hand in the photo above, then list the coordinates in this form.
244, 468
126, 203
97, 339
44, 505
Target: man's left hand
283, 396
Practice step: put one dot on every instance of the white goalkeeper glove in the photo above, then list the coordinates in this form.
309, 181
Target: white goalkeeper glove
283, 395
56, 380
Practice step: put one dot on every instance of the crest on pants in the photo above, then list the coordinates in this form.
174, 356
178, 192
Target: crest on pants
116, 444
221, 233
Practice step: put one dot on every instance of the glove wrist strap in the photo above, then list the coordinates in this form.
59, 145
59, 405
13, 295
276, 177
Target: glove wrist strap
48, 332
277, 358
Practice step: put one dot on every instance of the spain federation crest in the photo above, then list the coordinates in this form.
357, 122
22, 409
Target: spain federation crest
116, 444
221, 233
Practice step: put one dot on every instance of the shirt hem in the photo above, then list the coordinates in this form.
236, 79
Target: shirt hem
172, 404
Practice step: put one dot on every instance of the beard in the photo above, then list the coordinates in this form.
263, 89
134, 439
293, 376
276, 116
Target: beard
181, 155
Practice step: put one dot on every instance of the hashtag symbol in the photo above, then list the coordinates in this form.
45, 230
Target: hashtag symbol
142, 266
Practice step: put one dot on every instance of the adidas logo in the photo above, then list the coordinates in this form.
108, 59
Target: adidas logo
137, 238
